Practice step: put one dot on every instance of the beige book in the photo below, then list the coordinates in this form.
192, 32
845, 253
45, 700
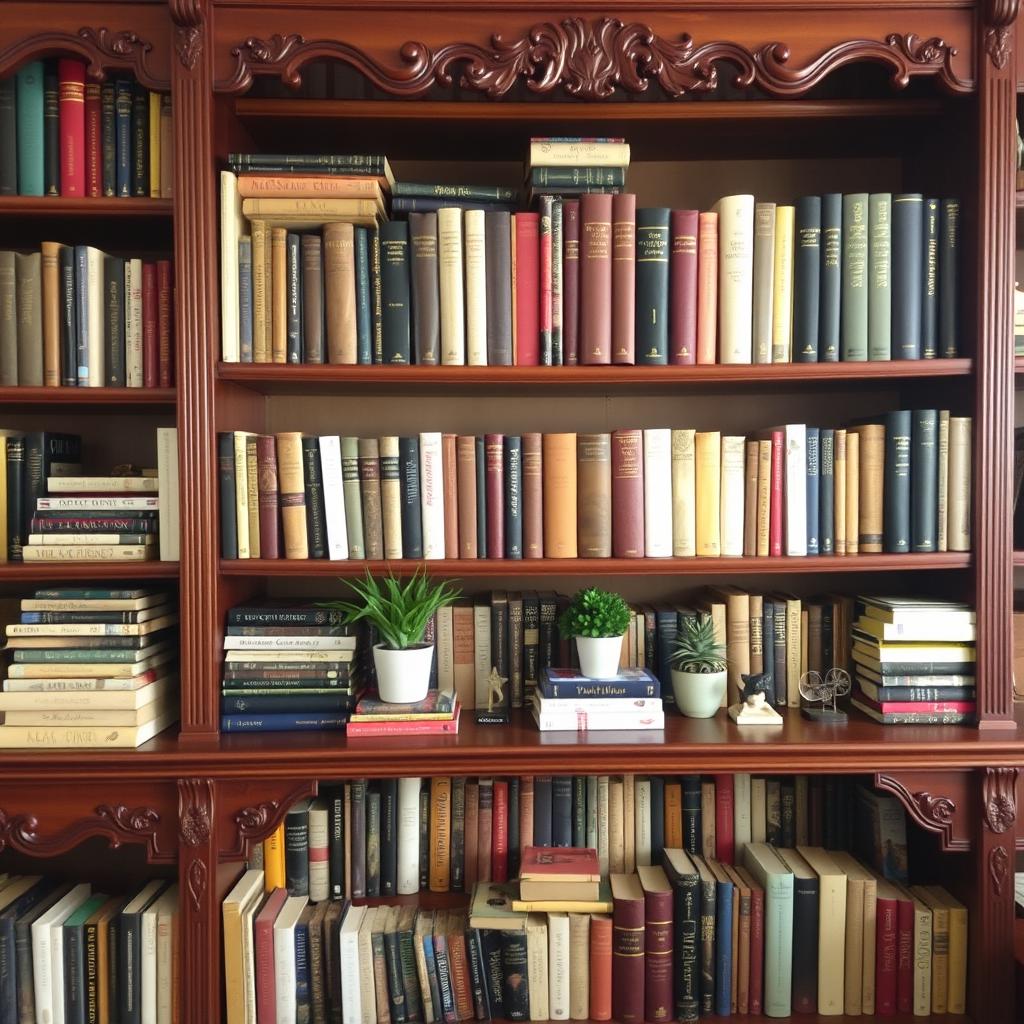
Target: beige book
537, 965
861, 897
133, 369
782, 286
871, 483
604, 817
242, 491
956, 991
476, 288
89, 553
253, 486
445, 645
29, 286
629, 823
424, 928
579, 966
684, 494
278, 295
386, 921
166, 954
463, 676
942, 482
764, 498
391, 497
802, 799
958, 529
707, 818
559, 969
732, 504
312, 212
757, 637
764, 278
737, 635
750, 498
292, 494
758, 810
616, 828
367, 980
450, 270
244, 896
805, 637
940, 946
735, 277
96, 307
51, 312
167, 477
340, 292
852, 491
55, 699
76, 717
260, 292
708, 470
232, 228
832, 910
839, 497
921, 953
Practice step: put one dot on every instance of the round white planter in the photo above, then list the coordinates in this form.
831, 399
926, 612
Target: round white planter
403, 677
599, 655
698, 694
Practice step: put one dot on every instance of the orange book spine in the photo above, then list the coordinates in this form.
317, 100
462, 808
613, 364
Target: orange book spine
440, 833
707, 288
600, 967
559, 454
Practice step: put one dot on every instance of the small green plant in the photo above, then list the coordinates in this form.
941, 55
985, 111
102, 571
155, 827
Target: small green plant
400, 611
595, 613
697, 648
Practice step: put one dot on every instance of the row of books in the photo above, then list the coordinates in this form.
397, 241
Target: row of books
63, 136
72, 315
899, 485
90, 668
72, 953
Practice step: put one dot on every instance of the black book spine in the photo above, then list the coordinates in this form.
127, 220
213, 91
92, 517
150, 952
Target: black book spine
497, 234
787, 801
830, 282
16, 521
579, 811
827, 641
930, 288
74, 976
515, 990
123, 127
561, 810
907, 275
548, 635
140, 141
312, 307
812, 496
315, 525
41, 450
806, 279
457, 877
542, 795
410, 980
296, 851
8, 139
691, 814
388, 837
924, 474
51, 130
768, 642
826, 492
475, 956
513, 826
396, 988
513, 476
685, 942
896, 482
394, 285
805, 944
129, 967
781, 689
499, 654
707, 948
108, 138
490, 942
68, 319
372, 840
426, 317
409, 480
652, 249
226, 475
424, 839
481, 497
113, 333
657, 818
293, 283
336, 842
949, 279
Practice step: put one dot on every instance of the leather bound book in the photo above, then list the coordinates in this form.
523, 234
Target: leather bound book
930, 288
266, 468
339, 292
897, 482
29, 288
292, 491
485, 830
830, 281
570, 281
595, 279
69, 318
409, 479
546, 207
465, 459
9, 320
449, 478
600, 967
533, 496
515, 995
682, 329
426, 320
366, 291
369, 489
93, 145
559, 454
316, 522
123, 137
394, 285
494, 445
71, 85
526, 288
9, 138
659, 1001
312, 299
907, 275
390, 496
594, 515
627, 456
750, 495
707, 287
260, 292
498, 270
561, 810
512, 476
108, 138
165, 333
294, 298
652, 279
855, 276
806, 279
628, 939
499, 832
624, 277
279, 295
226, 478
685, 881
870, 484
557, 356
140, 141
949, 298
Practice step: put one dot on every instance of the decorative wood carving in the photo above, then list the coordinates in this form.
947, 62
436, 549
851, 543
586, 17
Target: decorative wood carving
998, 868
996, 45
256, 822
935, 813
591, 59
197, 876
115, 823
188, 44
999, 799
195, 808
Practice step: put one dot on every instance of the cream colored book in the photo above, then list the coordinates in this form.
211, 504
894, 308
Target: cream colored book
921, 952
167, 489
260, 292
408, 817
133, 323
537, 966
550, 153
147, 484
73, 629
782, 286
579, 966
367, 981
89, 552
732, 503
101, 717
737, 635
750, 498
559, 970
764, 281
432, 496
758, 810
55, 670
839, 493
84, 737
284, 956
92, 374
167, 986
642, 822
242, 898
85, 539
232, 227
603, 824
956, 991
301, 211
60, 698
958, 500
658, 492
242, 492
707, 818
476, 288
349, 960
942, 485
450, 271
741, 830
852, 492
735, 277
616, 830
629, 822
390, 497
831, 930
708, 468
940, 946
684, 494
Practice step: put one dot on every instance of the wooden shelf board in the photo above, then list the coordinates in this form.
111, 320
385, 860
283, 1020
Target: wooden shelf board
21, 397
598, 566
1018, 558
44, 572
62, 206
1018, 364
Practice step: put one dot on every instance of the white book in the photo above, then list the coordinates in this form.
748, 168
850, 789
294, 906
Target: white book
452, 308
150, 970
551, 153
284, 958
133, 323
476, 289
409, 836
289, 643
348, 958
658, 492
334, 497
558, 966
731, 504
684, 494
795, 487
232, 227
642, 822
602, 823
91, 353
445, 649
167, 475
481, 652
319, 862
741, 813
432, 496
353, 500
367, 986
735, 277
166, 929
49, 991
242, 493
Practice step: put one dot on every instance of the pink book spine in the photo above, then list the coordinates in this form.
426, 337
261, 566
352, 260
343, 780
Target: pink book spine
707, 287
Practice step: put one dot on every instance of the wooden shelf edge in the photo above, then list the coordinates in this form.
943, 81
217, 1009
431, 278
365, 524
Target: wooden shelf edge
91, 397
1018, 558
44, 572
64, 206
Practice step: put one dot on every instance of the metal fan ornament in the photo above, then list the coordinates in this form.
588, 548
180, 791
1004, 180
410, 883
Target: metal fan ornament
816, 690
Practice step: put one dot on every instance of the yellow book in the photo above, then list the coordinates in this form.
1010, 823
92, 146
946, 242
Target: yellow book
260, 293
273, 859
84, 736
956, 990
242, 492
440, 833
166, 148
921, 952
684, 494
154, 145
782, 286
940, 946
839, 498
708, 460
832, 911
242, 898
852, 491
861, 921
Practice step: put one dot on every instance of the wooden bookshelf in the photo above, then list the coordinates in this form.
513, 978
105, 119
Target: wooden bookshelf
66, 207
106, 399
40, 572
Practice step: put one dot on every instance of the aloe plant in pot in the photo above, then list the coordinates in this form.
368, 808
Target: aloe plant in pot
401, 612
699, 674
597, 619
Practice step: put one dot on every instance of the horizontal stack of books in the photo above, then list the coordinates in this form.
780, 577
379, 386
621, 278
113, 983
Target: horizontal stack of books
438, 713
566, 880
287, 667
914, 661
91, 668
73, 953
62, 136
566, 701
408, 197
574, 167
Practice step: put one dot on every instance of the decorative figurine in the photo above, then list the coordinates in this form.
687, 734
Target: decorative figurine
825, 691
755, 708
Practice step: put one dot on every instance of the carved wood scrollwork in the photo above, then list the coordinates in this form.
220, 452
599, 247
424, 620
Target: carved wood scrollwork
592, 59
256, 822
998, 868
999, 799
114, 822
931, 812
195, 810
188, 17
998, 16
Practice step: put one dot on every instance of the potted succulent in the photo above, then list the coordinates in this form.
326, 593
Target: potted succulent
698, 668
597, 619
400, 611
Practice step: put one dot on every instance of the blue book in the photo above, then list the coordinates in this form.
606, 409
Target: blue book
561, 810
435, 989
512, 456
812, 491
298, 721
826, 491
567, 683
723, 939
30, 129
33, 896
82, 311
302, 987
123, 137
666, 628
364, 319
245, 298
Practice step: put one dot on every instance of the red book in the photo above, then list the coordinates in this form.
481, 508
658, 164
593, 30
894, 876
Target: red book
938, 707
93, 142
905, 955
499, 833
71, 117
263, 947
659, 1002
886, 955
429, 728
628, 494
266, 467
682, 289
571, 863
164, 298
150, 329
533, 496
494, 476
724, 845
458, 961
755, 986
624, 279
472, 833
449, 479
527, 289
570, 281
628, 941
776, 496
485, 831
595, 344
600, 967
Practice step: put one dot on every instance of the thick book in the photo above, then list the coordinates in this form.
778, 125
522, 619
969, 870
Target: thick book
896, 488
628, 941
735, 277
855, 278
775, 878
498, 271
526, 289
30, 146
71, 105
830, 278
627, 455
659, 999
595, 320
924, 464
652, 285
806, 279
707, 287
949, 279
594, 469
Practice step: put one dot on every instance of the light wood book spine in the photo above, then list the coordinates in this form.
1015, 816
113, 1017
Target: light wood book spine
839, 496
242, 492
684, 494
958, 499
340, 292
757, 637
279, 295
440, 833
559, 468
782, 286
579, 966
51, 309
737, 640
390, 497
735, 277
832, 911
707, 287
616, 830
872, 481
253, 487
942, 489
852, 492
764, 277
731, 501
750, 499
537, 966
450, 270
708, 469
367, 978
794, 651
764, 497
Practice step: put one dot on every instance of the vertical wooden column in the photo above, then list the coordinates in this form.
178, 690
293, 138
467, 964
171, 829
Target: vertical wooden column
198, 334
993, 445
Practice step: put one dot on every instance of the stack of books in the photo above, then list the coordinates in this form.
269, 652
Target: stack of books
576, 166
91, 668
565, 700
914, 661
566, 880
437, 713
287, 667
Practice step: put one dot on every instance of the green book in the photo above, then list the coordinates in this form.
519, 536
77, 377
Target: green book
776, 879
855, 278
30, 129
880, 276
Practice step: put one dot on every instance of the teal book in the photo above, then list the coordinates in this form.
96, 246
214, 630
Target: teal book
880, 276
924, 473
831, 277
364, 317
30, 129
854, 316
769, 871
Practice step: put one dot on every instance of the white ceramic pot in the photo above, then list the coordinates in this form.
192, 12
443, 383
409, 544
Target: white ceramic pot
403, 677
698, 694
599, 655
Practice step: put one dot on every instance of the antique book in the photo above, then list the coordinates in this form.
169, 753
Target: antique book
652, 286
707, 287
806, 279
595, 320
594, 469
559, 455
450, 274
782, 285
735, 277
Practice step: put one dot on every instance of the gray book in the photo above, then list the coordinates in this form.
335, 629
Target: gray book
312, 299
353, 498
764, 279
426, 316
855, 278
880, 276
498, 263
28, 290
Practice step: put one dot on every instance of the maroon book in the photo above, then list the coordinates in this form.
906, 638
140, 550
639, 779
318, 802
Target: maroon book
499, 832
150, 328
682, 290
494, 454
659, 1001
533, 496
905, 956
570, 281
624, 278
266, 469
628, 941
71, 118
595, 323
628, 494
165, 373
755, 987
